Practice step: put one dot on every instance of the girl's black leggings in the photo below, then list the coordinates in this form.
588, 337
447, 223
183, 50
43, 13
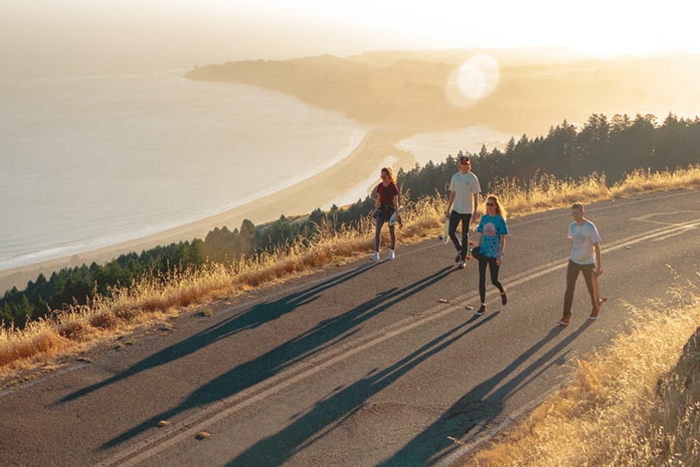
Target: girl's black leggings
493, 267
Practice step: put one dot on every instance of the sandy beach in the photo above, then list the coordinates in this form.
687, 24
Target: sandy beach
300, 198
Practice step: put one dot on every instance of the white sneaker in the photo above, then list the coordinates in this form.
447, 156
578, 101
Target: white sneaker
392, 255
375, 256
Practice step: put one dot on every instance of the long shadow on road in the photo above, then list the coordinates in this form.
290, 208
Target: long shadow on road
251, 318
483, 404
323, 335
342, 404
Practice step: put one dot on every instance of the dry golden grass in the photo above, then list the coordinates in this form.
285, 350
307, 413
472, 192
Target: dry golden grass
643, 181
156, 299
546, 192
632, 404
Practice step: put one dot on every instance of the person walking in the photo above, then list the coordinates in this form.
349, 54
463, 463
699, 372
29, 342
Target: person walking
491, 248
387, 203
462, 206
585, 257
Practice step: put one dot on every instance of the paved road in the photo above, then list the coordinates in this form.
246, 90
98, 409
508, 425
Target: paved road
358, 366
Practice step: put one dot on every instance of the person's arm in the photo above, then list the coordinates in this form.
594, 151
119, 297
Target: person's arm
449, 204
499, 259
378, 202
598, 259
396, 201
476, 206
480, 230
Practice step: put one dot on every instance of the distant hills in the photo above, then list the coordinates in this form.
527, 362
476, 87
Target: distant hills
408, 89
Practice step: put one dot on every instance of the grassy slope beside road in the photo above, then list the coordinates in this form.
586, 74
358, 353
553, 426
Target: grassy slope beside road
43, 343
636, 403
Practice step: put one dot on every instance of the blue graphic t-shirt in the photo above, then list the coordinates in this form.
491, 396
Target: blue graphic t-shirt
491, 229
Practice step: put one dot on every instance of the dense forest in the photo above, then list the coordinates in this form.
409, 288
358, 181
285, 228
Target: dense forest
613, 147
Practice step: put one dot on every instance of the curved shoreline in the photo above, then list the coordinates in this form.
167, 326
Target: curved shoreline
300, 198
70, 248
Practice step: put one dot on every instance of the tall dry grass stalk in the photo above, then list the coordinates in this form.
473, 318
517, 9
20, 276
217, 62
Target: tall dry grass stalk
154, 299
636, 403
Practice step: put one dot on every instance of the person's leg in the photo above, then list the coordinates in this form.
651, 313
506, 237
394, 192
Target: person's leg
571, 275
494, 268
392, 233
587, 271
466, 219
378, 232
482, 279
454, 222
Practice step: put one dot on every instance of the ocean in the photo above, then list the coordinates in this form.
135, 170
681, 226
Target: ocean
436, 147
92, 161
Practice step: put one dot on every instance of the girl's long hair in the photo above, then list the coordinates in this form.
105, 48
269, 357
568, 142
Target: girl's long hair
390, 173
500, 210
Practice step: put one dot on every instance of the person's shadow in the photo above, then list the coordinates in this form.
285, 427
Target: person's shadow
325, 334
483, 404
340, 405
249, 318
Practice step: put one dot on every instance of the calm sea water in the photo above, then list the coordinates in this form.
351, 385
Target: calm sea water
437, 146
93, 161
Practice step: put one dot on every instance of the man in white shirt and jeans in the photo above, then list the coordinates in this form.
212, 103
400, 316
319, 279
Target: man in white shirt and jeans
585, 258
461, 207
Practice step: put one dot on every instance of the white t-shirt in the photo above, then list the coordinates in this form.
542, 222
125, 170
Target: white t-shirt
583, 238
464, 187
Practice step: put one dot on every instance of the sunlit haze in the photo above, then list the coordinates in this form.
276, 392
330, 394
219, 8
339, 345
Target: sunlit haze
82, 36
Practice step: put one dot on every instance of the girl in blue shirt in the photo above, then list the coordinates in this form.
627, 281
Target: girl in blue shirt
490, 247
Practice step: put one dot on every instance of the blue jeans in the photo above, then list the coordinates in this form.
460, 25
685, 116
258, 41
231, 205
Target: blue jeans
455, 219
383, 216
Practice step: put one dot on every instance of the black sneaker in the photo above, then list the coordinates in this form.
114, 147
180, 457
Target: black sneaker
480, 311
504, 297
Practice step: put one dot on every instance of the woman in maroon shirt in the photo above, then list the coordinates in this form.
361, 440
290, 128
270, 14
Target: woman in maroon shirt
387, 204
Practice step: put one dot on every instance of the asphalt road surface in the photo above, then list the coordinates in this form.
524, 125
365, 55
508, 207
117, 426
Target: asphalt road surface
361, 365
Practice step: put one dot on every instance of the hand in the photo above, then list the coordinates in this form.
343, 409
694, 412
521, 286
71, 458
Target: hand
498, 261
599, 272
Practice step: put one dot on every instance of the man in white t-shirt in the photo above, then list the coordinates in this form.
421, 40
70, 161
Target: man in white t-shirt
462, 205
585, 257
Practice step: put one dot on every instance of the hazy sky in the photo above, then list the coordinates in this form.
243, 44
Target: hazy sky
47, 37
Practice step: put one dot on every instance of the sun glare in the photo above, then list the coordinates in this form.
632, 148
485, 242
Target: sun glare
473, 80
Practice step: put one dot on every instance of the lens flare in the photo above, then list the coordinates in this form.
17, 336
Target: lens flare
473, 80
